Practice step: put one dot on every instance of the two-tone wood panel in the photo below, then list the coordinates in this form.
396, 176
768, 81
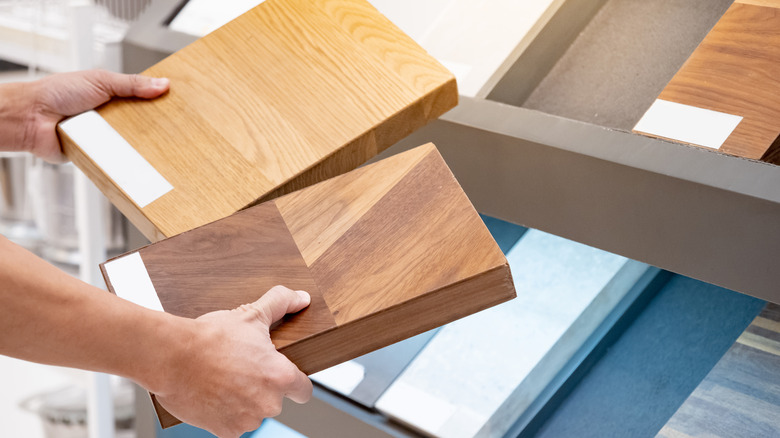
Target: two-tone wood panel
734, 71
388, 251
289, 94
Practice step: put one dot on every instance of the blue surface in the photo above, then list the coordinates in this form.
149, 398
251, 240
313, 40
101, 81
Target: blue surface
269, 429
655, 364
505, 233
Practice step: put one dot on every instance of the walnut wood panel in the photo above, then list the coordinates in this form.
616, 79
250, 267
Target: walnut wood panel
238, 261
402, 251
734, 71
291, 93
740, 397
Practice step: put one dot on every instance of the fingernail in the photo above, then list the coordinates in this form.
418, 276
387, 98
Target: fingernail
304, 296
160, 82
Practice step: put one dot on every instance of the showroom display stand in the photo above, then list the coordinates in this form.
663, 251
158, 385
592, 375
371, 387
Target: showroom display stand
550, 147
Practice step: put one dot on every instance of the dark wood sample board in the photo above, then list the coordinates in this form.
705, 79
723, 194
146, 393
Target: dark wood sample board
387, 251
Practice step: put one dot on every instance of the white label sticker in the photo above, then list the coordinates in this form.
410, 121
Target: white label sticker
688, 124
121, 162
130, 280
416, 407
342, 378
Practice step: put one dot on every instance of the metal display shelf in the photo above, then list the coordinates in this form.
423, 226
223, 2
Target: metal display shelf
688, 210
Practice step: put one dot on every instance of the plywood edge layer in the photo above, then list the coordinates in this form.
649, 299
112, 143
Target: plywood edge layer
367, 145
114, 194
394, 324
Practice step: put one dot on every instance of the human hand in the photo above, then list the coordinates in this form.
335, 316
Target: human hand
58, 96
233, 377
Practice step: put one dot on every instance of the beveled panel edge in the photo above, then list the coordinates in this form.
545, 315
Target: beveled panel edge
500, 289
115, 195
110, 152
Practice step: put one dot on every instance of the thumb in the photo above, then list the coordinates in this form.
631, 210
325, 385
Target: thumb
117, 84
276, 303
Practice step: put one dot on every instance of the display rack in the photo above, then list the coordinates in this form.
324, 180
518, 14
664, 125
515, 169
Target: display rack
524, 154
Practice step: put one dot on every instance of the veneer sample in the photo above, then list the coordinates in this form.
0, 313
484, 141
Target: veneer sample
386, 251
478, 375
725, 96
288, 94
741, 395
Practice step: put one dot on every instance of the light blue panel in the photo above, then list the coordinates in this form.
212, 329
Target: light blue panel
459, 385
274, 429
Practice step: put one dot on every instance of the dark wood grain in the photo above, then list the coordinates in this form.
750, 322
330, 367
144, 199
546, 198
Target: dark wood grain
734, 70
740, 397
389, 251
225, 266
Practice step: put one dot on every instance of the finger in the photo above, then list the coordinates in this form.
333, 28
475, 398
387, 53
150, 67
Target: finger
277, 302
117, 84
300, 391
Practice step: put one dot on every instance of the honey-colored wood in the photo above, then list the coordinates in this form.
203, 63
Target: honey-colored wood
402, 251
289, 94
734, 71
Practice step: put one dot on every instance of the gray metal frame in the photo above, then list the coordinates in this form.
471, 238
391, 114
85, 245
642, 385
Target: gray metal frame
692, 211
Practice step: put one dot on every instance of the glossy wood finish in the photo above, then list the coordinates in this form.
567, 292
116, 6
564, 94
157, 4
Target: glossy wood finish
740, 397
289, 94
402, 251
734, 71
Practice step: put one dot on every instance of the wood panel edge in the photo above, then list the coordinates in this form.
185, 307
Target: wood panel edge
362, 334
367, 145
109, 189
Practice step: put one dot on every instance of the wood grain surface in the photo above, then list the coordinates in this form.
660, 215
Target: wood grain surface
734, 71
291, 93
740, 397
387, 251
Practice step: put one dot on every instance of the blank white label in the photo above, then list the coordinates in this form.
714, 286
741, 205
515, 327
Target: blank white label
113, 154
130, 280
343, 378
688, 124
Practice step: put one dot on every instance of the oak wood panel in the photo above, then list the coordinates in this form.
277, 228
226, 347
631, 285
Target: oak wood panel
740, 397
405, 254
291, 93
426, 211
734, 70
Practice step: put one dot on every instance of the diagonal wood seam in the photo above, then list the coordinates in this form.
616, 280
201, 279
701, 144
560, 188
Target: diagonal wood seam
313, 246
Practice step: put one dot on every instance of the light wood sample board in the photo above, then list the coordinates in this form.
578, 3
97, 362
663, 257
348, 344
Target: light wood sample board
727, 96
387, 251
288, 94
